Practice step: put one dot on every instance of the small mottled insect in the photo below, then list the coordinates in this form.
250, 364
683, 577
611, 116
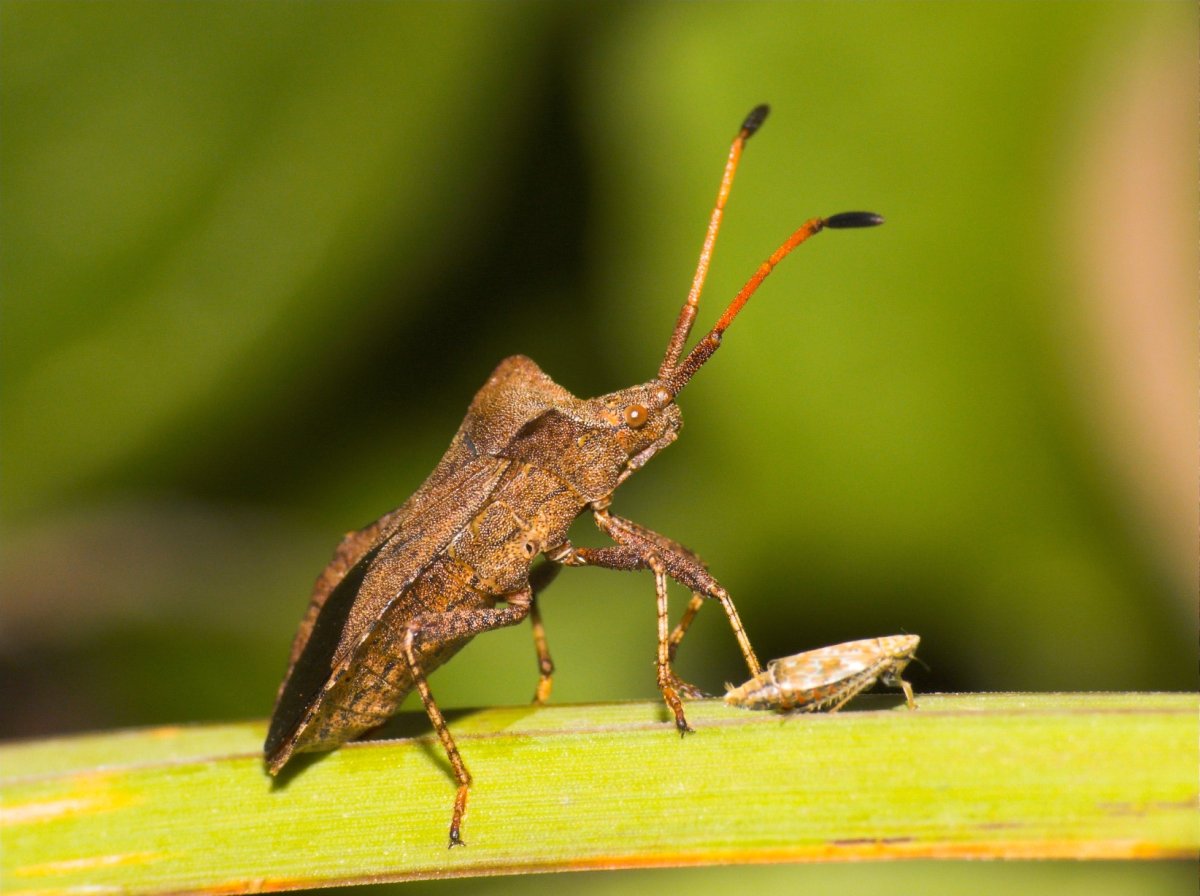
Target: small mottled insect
829, 676
403, 595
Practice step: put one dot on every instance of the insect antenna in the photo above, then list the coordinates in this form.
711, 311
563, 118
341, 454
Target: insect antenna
687, 314
679, 375
920, 662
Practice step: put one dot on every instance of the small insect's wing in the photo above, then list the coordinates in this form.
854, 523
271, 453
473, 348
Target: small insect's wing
341, 615
827, 665
811, 680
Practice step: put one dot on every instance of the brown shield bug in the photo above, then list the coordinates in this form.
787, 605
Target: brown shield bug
829, 676
403, 595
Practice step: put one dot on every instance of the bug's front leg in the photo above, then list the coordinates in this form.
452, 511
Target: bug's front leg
668, 682
446, 627
627, 558
686, 568
641, 548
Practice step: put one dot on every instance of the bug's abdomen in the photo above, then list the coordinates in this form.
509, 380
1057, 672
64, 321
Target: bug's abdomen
353, 683
370, 685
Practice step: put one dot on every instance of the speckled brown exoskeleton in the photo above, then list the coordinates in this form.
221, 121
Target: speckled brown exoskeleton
403, 595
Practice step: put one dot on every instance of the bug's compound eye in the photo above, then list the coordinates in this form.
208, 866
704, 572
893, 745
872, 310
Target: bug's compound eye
635, 416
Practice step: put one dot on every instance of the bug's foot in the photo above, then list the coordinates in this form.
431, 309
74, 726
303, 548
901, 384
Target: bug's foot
542, 695
676, 707
460, 809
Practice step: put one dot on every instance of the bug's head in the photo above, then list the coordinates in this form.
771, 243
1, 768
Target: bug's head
642, 420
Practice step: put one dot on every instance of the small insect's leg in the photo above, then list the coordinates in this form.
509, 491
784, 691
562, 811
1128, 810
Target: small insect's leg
892, 678
849, 691
450, 627
538, 580
666, 678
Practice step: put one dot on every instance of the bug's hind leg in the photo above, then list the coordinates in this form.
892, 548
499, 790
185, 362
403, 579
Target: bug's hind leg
444, 628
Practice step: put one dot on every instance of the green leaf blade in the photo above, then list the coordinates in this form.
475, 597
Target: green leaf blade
611, 786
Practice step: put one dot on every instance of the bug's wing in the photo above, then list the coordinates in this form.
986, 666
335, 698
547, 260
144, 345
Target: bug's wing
375, 565
343, 611
516, 392
816, 668
349, 551
355, 545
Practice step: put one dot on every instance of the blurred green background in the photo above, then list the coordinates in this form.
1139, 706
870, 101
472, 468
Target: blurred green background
257, 258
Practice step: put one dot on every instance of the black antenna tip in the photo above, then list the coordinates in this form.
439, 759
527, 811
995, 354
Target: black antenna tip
847, 220
755, 119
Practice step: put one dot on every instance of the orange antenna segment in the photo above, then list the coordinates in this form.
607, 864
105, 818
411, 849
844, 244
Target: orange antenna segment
803, 232
687, 314
677, 378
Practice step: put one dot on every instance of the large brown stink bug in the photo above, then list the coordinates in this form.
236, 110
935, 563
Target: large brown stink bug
403, 595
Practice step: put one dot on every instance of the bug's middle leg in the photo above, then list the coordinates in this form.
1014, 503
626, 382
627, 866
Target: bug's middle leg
629, 558
539, 579
445, 628
640, 548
